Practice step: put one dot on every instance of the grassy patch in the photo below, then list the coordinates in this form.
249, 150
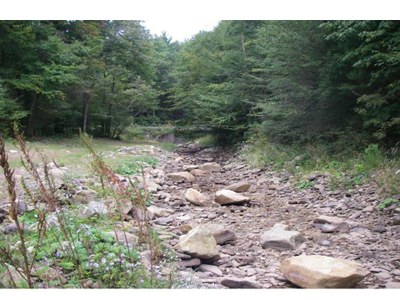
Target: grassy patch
135, 165
347, 169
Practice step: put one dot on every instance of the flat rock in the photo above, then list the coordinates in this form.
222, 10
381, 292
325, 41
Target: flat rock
316, 271
196, 198
393, 285
278, 237
331, 224
210, 167
185, 176
198, 172
239, 187
210, 268
227, 197
189, 263
240, 283
159, 212
199, 243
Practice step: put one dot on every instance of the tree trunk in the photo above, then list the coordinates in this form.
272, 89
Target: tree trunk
30, 129
86, 100
242, 42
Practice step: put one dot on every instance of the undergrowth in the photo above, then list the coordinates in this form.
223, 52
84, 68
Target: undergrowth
54, 245
347, 169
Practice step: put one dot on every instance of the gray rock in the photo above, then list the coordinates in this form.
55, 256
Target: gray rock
316, 271
240, 283
331, 224
159, 212
227, 197
10, 228
393, 285
396, 220
189, 263
185, 176
239, 187
210, 268
278, 237
210, 167
94, 208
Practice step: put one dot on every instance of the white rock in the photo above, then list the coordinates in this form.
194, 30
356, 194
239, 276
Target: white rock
316, 271
226, 197
196, 198
200, 243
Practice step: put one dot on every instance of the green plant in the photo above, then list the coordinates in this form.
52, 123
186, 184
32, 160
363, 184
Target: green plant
305, 184
387, 202
135, 165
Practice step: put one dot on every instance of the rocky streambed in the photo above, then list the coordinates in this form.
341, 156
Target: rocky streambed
258, 219
234, 226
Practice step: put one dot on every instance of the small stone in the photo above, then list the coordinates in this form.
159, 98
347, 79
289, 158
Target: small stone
393, 285
210, 268
159, 212
281, 239
379, 229
210, 167
331, 224
10, 228
369, 209
198, 173
239, 187
240, 283
396, 220
227, 197
189, 263
185, 176
196, 198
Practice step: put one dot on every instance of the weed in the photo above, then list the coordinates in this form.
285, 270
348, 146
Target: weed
387, 202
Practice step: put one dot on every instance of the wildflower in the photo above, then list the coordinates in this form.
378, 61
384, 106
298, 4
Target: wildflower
103, 260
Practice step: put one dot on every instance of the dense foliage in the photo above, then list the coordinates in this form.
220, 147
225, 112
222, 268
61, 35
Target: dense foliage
288, 81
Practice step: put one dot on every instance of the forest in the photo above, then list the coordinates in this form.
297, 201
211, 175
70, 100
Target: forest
253, 155
287, 81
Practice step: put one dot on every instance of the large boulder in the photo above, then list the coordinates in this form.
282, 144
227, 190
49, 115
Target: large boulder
185, 176
239, 187
200, 243
210, 167
278, 237
227, 197
317, 271
195, 197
